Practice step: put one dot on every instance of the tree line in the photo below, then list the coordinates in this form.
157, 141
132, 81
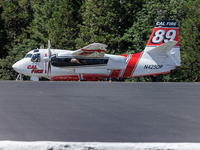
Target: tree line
124, 25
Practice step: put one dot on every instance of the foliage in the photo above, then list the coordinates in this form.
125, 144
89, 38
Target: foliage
3, 37
17, 16
64, 24
100, 23
42, 13
190, 43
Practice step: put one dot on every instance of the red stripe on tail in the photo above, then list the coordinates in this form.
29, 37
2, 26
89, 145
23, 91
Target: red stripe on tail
162, 35
164, 31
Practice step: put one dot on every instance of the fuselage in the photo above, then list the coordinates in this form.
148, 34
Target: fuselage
68, 68
62, 67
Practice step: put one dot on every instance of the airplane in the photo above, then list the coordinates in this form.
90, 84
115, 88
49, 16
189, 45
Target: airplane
91, 63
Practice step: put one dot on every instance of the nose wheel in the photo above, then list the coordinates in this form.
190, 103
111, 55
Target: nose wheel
80, 76
19, 77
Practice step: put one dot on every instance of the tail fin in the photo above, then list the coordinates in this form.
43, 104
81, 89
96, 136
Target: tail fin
162, 52
165, 39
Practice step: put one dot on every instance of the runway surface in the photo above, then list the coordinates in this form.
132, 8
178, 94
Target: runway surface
99, 111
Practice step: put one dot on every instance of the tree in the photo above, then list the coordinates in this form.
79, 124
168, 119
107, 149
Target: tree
190, 43
3, 37
64, 24
129, 10
17, 15
100, 23
43, 11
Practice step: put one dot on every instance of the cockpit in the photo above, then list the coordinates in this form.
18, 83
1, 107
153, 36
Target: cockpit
35, 57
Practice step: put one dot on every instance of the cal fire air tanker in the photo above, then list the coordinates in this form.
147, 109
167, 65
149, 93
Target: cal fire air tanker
161, 54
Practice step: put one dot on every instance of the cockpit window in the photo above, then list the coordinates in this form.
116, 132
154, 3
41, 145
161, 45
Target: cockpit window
35, 58
28, 55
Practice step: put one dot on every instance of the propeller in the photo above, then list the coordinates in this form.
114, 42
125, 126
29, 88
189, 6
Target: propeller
48, 58
49, 54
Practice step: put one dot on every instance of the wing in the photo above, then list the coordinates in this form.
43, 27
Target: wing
92, 50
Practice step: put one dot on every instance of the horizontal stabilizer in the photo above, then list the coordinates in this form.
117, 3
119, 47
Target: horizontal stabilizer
166, 47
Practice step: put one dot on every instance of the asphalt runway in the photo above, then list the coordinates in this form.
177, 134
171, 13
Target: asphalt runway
99, 111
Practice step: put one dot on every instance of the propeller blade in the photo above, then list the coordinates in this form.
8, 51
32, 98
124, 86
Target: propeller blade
49, 68
49, 49
48, 58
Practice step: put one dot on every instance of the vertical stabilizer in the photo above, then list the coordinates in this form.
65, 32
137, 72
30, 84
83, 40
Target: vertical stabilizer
164, 31
162, 52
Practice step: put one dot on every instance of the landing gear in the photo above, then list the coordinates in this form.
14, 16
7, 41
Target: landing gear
19, 77
81, 77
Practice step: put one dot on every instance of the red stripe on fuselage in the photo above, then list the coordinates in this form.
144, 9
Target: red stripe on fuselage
131, 64
115, 73
87, 77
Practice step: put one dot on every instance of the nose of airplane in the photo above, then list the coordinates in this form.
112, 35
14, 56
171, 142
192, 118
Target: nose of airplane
17, 66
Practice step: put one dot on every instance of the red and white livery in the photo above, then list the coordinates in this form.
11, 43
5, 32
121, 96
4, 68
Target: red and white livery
161, 54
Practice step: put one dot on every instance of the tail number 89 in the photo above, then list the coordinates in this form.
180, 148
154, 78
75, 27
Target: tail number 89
159, 35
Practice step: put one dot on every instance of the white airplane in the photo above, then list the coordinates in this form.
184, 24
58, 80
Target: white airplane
161, 54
